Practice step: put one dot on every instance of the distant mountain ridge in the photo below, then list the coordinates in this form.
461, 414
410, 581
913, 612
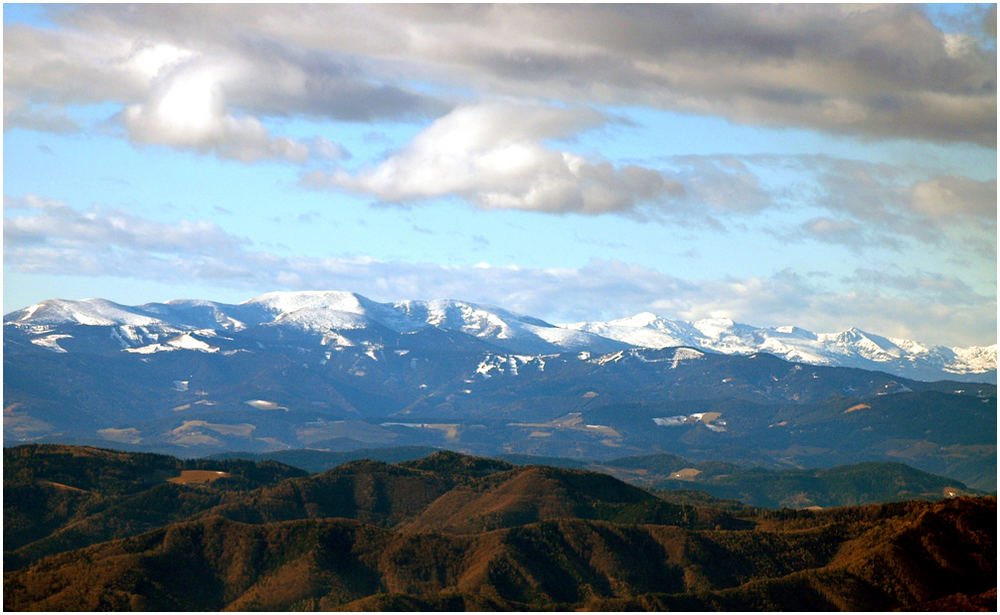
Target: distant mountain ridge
344, 319
337, 371
851, 348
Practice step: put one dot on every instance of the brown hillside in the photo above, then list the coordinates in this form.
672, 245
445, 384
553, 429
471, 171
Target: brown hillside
453, 493
445, 492
370, 491
876, 557
535, 493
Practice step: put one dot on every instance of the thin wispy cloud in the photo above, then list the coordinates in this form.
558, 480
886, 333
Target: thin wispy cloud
53, 238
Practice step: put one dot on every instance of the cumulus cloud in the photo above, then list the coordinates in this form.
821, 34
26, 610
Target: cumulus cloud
186, 110
893, 205
172, 94
44, 236
875, 71
494, 155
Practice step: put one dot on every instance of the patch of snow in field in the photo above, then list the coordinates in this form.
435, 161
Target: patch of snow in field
610, 358
335, 339
371, 350
670, 421
263, 404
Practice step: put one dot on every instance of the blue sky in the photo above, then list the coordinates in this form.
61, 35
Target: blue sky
827, 166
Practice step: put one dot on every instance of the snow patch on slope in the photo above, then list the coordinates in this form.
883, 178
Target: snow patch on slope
184, 341
51, 342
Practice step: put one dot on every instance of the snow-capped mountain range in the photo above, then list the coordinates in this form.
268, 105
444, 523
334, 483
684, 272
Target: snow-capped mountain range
344, 319
851, 348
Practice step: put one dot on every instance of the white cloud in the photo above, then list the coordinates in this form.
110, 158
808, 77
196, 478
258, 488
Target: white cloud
172, 95
186, 110
494, 156
879, 71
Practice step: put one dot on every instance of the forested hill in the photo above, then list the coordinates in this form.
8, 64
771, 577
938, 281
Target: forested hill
89, 529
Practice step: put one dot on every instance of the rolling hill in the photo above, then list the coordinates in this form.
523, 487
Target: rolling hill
456, 532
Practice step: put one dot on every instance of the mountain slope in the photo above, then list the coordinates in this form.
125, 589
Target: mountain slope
712, 483
850, 559
337, 371
58, 497
453, 531
294, 394
445, 492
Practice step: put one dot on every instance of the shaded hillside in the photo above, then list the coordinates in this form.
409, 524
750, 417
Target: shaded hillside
58, 498
862, 483
453, 493
871, 558
313, 460
533, 493
445, 492
320, 461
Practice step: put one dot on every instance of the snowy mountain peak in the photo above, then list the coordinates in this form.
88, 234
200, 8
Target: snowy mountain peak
94, 312
157, 327
315, 310
451, 314
793, 331
868, 345
286, 302
642, 319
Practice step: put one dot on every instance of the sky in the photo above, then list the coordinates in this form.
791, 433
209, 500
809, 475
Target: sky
827, 166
